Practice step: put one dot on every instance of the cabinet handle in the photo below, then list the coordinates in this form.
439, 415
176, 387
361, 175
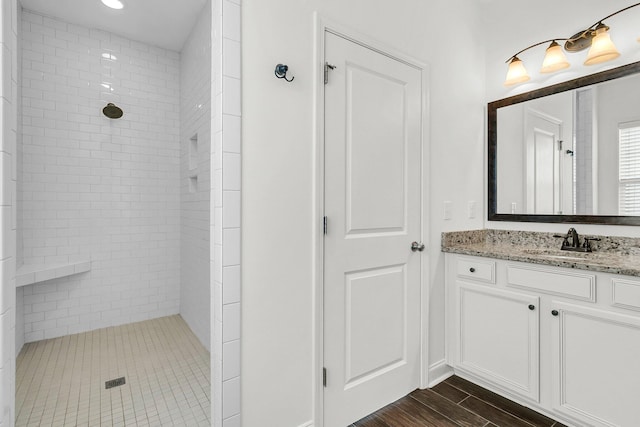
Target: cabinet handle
532, 307
554, 312
473, 270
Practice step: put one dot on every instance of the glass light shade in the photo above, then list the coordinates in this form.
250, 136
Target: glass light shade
517, 73
602, 48
554, 60
113, 4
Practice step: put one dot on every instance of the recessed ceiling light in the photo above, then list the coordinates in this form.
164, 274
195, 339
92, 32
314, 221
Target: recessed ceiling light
113, 4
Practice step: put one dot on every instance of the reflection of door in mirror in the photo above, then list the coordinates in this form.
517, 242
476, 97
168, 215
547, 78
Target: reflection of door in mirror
536, 156
543, 139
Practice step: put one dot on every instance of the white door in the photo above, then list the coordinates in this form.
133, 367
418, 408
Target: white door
373, 110
543, 135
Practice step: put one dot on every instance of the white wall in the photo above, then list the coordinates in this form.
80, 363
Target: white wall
8, 178
512, 26
97, 187
195, 159
278, 164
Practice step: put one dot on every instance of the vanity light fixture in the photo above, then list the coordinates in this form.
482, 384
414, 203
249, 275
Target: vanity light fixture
517, 73
554, 59
596, 38
113, 4
602, 48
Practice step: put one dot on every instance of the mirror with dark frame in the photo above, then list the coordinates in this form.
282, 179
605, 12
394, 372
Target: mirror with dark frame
568, 152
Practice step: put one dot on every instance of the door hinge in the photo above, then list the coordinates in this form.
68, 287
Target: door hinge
324, 377
324, 225
327, 67
560, 144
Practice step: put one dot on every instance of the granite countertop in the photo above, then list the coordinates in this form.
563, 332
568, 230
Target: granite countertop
615, 255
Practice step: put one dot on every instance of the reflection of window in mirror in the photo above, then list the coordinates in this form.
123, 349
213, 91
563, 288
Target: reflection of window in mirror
629, 168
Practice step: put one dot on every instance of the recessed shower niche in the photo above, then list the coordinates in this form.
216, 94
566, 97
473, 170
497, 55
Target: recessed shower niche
193, 163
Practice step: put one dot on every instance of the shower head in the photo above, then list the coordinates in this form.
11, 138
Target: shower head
112, 111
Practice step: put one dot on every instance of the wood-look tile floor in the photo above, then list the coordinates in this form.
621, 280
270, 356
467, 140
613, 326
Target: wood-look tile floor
455, 403
61, 381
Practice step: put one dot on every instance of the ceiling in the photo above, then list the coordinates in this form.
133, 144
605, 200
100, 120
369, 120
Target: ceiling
163, 23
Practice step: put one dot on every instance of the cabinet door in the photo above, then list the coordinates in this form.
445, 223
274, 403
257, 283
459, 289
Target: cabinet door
596, 365
498, 338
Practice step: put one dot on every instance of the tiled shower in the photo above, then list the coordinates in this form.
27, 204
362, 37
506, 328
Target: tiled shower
98, 188
119, 221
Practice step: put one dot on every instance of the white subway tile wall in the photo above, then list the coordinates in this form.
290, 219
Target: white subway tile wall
583, 171
93, 186
8, 177
195, 149
226, 250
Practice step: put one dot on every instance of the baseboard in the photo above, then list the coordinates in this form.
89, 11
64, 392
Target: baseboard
307, 424
439, 372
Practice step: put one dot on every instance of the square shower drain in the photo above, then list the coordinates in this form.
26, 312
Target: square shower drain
114, 383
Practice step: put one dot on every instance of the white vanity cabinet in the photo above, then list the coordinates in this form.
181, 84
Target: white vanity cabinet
497, 337
596, 365
565, 342
496, 330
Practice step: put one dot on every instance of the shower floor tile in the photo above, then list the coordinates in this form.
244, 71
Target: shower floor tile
61, 381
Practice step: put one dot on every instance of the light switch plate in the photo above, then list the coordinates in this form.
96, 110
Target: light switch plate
447, 210
471, 209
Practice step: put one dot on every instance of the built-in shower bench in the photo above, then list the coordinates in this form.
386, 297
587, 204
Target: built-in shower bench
30, 274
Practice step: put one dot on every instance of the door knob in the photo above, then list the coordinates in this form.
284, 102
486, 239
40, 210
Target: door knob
415, 246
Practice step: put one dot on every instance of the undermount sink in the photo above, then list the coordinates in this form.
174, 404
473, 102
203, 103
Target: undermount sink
537, 251
554, 253
567, 257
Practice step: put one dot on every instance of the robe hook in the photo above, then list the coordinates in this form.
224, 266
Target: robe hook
281, 72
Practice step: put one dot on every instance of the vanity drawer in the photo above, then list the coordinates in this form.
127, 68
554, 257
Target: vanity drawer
626, 294
472, 268
570, 284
